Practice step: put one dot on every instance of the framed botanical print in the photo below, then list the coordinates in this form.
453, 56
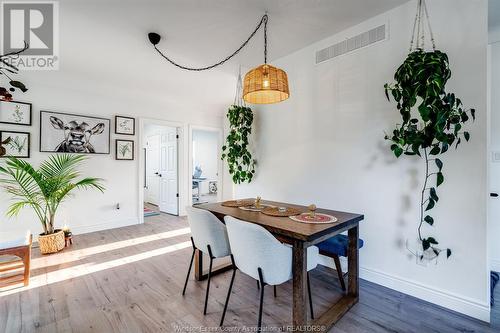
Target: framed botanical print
16, 144
71, 133
124, 150
18, 113
124, 125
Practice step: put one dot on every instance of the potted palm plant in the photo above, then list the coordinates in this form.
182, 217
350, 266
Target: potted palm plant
44, 189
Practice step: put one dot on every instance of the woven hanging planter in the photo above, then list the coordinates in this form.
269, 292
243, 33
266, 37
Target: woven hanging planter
265, 84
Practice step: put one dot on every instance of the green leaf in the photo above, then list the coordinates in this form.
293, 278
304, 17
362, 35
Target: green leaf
429, 220
448, 253
424, 112
425, 244
386, 90
439, 164
473, 113
435, 150
398, 151
431, 240
444, 148
466, 136
439, 178
433, 194
19, 85
430, 204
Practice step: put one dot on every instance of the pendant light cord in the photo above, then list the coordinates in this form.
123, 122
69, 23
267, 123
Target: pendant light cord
263, 20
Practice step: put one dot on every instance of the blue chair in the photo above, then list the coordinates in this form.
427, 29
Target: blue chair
334, 247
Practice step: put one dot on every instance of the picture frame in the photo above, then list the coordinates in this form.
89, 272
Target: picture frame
72, 133
124, 150
124, 125
19, 145
15, 113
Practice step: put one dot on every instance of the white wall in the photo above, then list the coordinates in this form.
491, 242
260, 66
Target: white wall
325, 146
206, 155
97, 78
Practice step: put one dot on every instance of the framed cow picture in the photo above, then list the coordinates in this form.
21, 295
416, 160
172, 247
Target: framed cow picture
125, 150
124, 125
17, 113
71, 133
16, 144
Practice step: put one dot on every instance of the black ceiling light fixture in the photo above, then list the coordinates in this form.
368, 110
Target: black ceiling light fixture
264, 84
154, 38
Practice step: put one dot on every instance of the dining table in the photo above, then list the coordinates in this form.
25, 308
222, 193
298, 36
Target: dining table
300, 236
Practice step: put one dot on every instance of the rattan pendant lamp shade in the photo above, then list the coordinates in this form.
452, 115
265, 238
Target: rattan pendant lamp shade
265, 84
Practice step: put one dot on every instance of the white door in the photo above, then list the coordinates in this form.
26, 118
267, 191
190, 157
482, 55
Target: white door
153, 169
494, 164
169, 194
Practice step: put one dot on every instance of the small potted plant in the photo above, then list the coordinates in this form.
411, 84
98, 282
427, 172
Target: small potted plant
43, 190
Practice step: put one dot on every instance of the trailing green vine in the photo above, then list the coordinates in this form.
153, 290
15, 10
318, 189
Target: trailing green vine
235, 151
432, 121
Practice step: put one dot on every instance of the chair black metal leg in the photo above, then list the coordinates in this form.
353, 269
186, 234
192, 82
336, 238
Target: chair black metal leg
258, 285
228, 292
259, 323
209, 276
310, 296
189, 269
338, 267
275, 294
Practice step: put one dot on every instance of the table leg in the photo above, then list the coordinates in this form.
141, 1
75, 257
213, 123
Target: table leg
198, 265
199, 274
334, 313
299, 267
353, 263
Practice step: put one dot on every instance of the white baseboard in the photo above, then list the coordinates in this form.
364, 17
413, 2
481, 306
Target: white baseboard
104, 226
495, 265
461, 304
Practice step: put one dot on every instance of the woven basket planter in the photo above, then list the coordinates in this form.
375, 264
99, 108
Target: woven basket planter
51, 243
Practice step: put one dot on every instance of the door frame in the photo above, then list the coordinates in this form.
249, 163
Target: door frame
181, 162
219, 161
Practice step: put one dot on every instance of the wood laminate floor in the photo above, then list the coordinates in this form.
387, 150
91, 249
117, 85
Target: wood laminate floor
130, 280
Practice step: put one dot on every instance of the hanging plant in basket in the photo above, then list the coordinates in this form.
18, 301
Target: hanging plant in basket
239, 159
432, 122
235, 151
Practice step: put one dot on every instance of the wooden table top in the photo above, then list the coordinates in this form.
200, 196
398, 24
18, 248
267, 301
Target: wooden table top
285, 226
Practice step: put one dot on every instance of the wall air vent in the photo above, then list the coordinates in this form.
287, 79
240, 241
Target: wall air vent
366, 38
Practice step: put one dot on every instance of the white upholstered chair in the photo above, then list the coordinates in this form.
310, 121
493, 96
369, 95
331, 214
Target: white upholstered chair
257, 253
209, 236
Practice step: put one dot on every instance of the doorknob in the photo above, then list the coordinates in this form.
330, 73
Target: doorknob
493, 195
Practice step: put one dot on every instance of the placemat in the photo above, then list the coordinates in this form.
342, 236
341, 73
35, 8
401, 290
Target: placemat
275, 211
252, 208
237, 203
317, 218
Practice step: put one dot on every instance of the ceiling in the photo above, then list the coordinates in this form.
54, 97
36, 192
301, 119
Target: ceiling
107, 40
493, 14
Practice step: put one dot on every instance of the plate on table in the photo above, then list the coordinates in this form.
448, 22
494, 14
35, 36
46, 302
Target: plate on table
316, 218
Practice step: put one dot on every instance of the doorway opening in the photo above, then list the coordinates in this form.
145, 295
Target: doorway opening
205, 165
161, 169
